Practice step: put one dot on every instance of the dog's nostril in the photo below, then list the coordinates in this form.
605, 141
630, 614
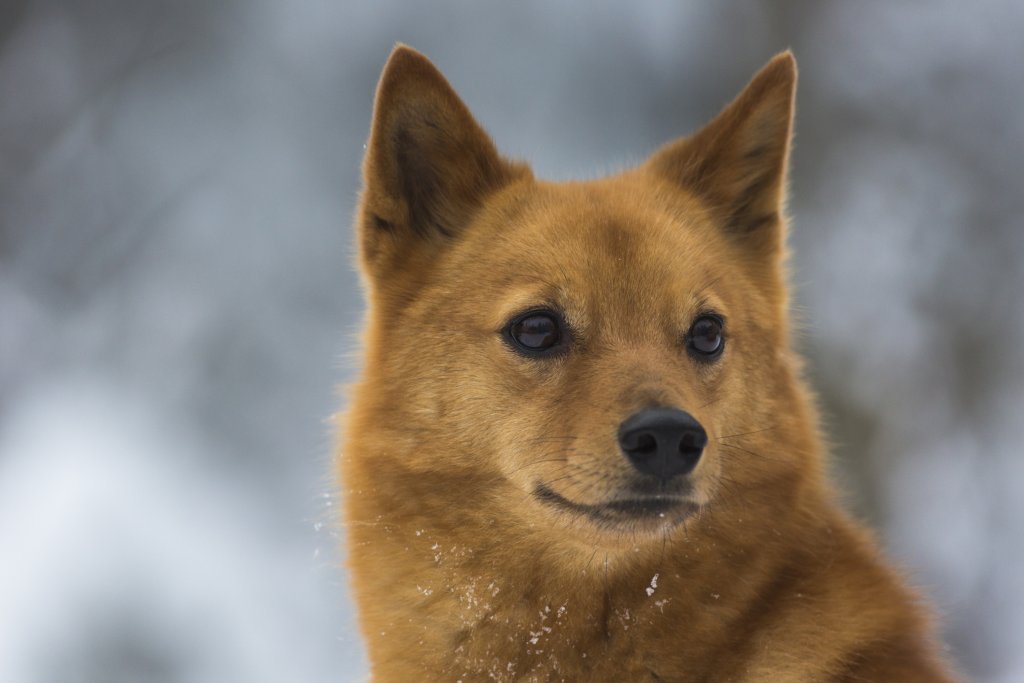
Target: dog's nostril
692, 441
646, 444
639, 442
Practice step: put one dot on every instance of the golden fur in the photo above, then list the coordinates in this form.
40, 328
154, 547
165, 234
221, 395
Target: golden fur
461, 570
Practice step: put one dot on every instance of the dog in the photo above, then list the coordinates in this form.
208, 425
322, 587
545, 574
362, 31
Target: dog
581, 447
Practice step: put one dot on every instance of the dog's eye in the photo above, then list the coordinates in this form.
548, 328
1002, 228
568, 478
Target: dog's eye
705, 337
536, 332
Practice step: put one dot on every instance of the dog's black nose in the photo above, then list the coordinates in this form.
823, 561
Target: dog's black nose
663, 442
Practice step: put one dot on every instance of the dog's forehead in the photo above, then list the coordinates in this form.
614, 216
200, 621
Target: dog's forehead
603, 233
599, 253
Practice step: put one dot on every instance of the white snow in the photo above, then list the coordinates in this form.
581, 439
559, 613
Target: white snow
654, 585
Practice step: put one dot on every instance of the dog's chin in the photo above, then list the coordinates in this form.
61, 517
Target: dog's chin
653, 513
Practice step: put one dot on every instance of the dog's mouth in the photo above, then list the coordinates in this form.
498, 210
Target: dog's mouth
668, 509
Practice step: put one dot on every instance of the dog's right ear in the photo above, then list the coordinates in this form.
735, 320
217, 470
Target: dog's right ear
428, 164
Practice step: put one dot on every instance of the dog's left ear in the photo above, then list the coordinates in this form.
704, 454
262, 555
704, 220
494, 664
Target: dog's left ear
737, 163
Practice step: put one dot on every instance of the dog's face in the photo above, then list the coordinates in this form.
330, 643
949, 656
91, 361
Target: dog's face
595, 351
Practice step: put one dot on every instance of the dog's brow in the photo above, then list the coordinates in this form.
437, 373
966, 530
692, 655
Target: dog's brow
702, 294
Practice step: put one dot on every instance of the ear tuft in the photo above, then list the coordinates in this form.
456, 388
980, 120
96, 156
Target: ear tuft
428, 164
738, 162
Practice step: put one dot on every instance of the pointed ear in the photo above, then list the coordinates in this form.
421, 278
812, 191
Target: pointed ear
738, 162
428, 163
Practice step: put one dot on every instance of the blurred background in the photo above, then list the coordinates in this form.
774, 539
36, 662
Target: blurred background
177, 302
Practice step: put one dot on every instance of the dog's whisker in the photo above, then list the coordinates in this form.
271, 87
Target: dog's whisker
753, 431
537, 462
542, 439
749, 452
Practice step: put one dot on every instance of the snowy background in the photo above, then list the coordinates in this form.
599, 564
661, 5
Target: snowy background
177, 303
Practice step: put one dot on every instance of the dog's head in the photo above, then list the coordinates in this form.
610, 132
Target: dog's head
604, 353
